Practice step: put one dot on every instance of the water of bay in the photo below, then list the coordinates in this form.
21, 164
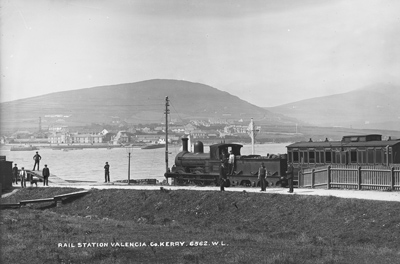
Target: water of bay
88, 164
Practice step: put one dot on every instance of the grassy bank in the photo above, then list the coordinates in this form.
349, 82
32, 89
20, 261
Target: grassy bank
244, 227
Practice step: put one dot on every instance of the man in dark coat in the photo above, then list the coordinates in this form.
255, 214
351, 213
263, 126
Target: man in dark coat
37, 159
45, 174
15, 173
262, 172
107, 172
222, 176
289, 175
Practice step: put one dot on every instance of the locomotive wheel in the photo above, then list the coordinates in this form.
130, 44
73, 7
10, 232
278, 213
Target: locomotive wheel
199, 183
227, 183
179, 180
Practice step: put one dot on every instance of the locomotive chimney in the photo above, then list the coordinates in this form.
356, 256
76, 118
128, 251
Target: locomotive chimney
185, 144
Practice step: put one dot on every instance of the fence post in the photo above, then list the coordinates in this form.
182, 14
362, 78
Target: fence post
312, 178
359, 178
328, 181
393, 179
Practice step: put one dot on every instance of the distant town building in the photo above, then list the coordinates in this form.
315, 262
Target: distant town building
86, 138
122, 137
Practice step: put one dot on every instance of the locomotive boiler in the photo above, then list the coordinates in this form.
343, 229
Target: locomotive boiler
202, 168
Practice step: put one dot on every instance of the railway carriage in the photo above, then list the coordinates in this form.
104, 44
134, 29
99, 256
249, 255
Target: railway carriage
351, 150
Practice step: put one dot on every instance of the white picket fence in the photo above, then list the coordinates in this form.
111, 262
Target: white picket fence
352, 177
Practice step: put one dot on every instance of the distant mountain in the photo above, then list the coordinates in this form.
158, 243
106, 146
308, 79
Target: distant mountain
372, 107
140, 102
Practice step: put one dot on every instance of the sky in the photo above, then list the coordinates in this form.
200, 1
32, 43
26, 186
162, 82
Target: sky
266, 52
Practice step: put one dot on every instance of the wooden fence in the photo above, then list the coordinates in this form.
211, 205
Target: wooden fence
352, 177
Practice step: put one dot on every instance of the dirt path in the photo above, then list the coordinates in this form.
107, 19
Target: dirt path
355, 194
10, 193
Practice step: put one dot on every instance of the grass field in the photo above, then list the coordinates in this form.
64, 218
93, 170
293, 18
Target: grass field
130, 226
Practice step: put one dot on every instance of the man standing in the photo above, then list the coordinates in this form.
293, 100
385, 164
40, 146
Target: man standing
262, 172
45, 174
231, 163
107, 172
22, 175
37, 159
222, 176
15, 173
289, 175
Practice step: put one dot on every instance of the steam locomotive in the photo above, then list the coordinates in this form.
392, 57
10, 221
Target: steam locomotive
202, 168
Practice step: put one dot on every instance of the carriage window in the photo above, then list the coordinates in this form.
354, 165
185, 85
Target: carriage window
364, 156
305, 157
317, 156
290, 156
322, 157
312, 156
370, 156
328, 157
378, 155
359, 156
353, 156
337, 157
343, 157
295, 156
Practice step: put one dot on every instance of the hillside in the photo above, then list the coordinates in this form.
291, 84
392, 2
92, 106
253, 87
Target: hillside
372, 107
141, 102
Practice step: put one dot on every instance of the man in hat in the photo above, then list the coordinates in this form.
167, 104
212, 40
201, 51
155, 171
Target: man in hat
222, 175
262, 172
15, 173
289, 175
23, 176
231, 163
45, 174
107, 172
37, 159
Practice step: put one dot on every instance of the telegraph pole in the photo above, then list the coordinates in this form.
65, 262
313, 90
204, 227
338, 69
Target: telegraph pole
129, 150
252, 136
129, 168
252, 133
166, 134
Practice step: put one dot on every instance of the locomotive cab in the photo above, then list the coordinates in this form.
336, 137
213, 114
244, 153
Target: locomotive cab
221, 151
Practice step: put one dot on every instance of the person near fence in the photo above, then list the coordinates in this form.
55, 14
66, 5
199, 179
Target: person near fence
222, 175
45, 174
23, 175
15, 173
289, 175
262, 172
107, 172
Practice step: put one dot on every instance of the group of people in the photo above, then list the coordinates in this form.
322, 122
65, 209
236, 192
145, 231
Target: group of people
262, 175
227, 167
23, 176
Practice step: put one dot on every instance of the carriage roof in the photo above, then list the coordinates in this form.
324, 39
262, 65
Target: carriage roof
338, 144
